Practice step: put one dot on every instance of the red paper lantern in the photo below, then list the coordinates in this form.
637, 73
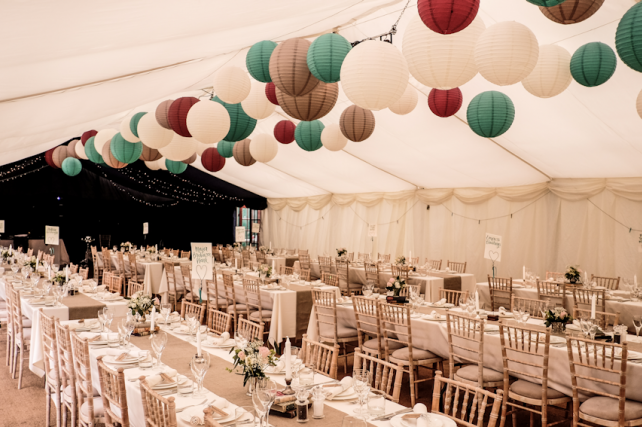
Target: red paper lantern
86, 135
270, 93
447, 16
49, 158
445, 103
177, 115
212, 160
284, 131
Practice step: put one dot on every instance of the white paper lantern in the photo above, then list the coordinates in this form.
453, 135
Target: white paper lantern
332, 138
80, 151
102, 137
552, 74
200, 147
638, 104
374, 75
231, 84
181, 148
256, 105
152, 134
208, 122
153, 165
506, 53
263, 147
441, 61
126, 131
406, 103
161, 163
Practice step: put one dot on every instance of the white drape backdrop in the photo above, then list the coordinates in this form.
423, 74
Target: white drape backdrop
553, 225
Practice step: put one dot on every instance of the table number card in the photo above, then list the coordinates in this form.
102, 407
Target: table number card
493, 247
256, 227
372, 230
146, 228
52, 235
202, 261
240, 234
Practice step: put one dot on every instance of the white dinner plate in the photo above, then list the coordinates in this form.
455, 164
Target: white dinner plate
447, 305
197, 410
129, 361
228, 344
445, 422
432, 319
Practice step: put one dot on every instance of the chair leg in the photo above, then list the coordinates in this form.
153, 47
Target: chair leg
514, 417
411, 373
64, 416
15, 361
20, 374
502, 422
59, 409
48, 407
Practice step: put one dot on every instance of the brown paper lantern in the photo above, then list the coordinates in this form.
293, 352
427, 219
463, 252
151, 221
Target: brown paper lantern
109, 158
150, 154
357, 124
190, 160
241, 152
289, 68
59, 154
177, 115
572, 11
71, 149
161, 113
312, 106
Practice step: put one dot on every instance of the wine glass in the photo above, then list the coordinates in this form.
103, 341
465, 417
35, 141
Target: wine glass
130, 324
525, 316
166, 311
108, 316
101, 319
361, 384
55, 268
200, 365
263, 398
463, 304
47, 286
35, 278
159, 341
637, 323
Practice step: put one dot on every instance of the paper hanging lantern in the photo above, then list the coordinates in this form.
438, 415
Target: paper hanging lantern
208, 122
152, 134
571, 11
241, 152
406, 103
71, 166
49, 158
126, 130
356, 123
212, 160
628, 37
177, 115
441, 61
162, 163
326, 55
490, 114
308, 135
241, 125
445, 103
231, 84
149, 154
257, 60
80, 151
179, 149
447, 16
374, 75
71, 148
92, 153
59, 155
226, 148
332, 138
506, 53
190, 160
102, 138
270, 93
263, 148
152, 165
552, 74
125, 151
593, 64
638, 104
284, 131
133, 123
200, 147
162, 112
110, 159
175, 167
289, 67
312, 106
256, 105
545, 3
86, 135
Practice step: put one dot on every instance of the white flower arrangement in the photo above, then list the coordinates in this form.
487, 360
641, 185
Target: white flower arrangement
31, 262
7, 254
59, 278
395, 285
126, 245
87, 239
265, 271
142, 303
401, 260
341, 252
266, 250
151, 250
237, 247
254, 358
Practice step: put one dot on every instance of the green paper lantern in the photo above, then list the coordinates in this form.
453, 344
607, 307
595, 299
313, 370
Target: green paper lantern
71, 166
92, 154
125, 151
490, 114
175, 167
257, 60
241, 125
593, 64
133, 123
546, 3
308, 135
628, 38
326, 55
225, 148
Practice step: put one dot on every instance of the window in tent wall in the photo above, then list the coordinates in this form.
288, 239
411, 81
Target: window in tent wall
244, 218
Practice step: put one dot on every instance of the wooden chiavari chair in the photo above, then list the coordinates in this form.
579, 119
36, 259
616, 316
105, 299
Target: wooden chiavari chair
106, 260
29, 252
175, 252
185, 254
21, 341
113, 393
330, 279
73, 268
328, 330
372, 274
325, 265
385, 258
304, 275
604, 320
611, 283
386, 377
186, 273
214, 296
98, 271
552, 290
304, 261
254, 303
52, 368
208, 418
218, 322
134, 287
457, 267
260, 258
582, 297
84, 273
233, 308
501, 292
90, 408
414, 261
251, 331
534, 307
133, 269
369, 333
435, 264
173, 293
303, 252
405, 291
400, 271
289, 251
120, 269
343, 272
159, 411
451, 296
324, 357
351, 256
245, 257
288, 271
197, 309
10, 334
107, 280
116, 284
556, 276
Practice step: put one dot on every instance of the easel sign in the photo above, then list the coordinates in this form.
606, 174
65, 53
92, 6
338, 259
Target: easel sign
52, 235
240, 234
372, 230
1, 226
146, 228
202, 265
493, 249
256, 227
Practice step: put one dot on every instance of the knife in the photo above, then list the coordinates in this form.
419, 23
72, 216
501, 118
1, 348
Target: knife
387, 417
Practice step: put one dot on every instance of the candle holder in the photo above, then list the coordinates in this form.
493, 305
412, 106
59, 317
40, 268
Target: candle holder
288, 391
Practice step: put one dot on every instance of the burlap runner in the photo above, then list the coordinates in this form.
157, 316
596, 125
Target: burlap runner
303, 308
82, 307
451, 281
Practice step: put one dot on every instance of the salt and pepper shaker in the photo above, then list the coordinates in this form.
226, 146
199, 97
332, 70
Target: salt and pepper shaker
317, 406
302, 411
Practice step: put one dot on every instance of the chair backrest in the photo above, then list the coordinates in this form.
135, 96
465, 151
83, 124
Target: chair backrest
251, 331
583, 296
253, 294
170, 274
133, 266
106, 259
212, 294
383, 258
218, 322
612, 283
434, 263
112, 390
466, 342
458, 267
283, 270
604, 320
350, 256
191, 307
469, 414
395, 325
116, 283
121, 263
304, 261
16, 315
556, 276
368, 323
363, 256
230, 295
405, 291
159, 411
305, 275
400, 270
50, 347
501, 292
97, 269
302, 252
208, 418
186, 254
260, 258
133, 287
325, 312
325, 264
372, 274
451, 296
533, 306
30, 252
551, 290
67, 373
84, 273
343, 272
107, 279
186, 272
175, 252
330, 279
324, 357
82, 368
73, 268
386, 377
104, 240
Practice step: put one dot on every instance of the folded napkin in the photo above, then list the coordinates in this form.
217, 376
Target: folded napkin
502, 311
89, 335
342, 386
154, 380
435, 315
440, 303
185, 402
225, 336
420, 408
280, 366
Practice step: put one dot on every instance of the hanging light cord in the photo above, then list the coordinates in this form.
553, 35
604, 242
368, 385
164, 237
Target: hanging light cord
386, 37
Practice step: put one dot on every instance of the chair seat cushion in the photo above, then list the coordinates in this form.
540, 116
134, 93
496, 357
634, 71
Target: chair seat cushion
373, 345
342, 332
267, 315
69, 391
26, 322
471, 373
606, 408
98, 409
533, 391
241, 308
403, 355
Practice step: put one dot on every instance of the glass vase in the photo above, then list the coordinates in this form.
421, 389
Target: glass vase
251, 383
558, 327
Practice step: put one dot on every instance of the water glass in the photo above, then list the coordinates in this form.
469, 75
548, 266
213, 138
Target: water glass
166, 312
637, 323
306, 375
146, 361
200, 365
185, 385
376, 403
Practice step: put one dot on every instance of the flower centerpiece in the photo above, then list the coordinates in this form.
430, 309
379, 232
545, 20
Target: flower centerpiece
7, 254
151, 250
266, 250
31, 262
401, 260
59, 278
253, 359
558, 318
142, 304
342, 252
126, 245
87, 239
265, 271
237, 247
395, 285
573, 274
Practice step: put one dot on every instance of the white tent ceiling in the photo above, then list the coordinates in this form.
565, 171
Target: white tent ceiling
71, 66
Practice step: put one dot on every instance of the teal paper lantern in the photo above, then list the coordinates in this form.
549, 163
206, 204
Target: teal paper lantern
326, 55
133, 123
225, 149
308, 135
257, 60
628, 38
175, 167
125, 151
92, 154
490, 114
593, 64
241, 125
546, 3
71, 166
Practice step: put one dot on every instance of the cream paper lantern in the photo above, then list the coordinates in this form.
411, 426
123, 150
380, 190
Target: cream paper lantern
152, 134
552, 74
638, 104
208, 122
333, 139
200, 147
441, 61
374, 75
153, 165
257, 105
406, 103
126, 131
102, 137
179, 149
263, 147
231, 84
506, 53
80, 151
161, 163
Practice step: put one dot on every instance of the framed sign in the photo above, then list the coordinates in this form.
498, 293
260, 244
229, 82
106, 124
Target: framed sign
372, 230
1, 225
493, 247
202, 264
146, 228
52, 235
240, 234
256, 227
